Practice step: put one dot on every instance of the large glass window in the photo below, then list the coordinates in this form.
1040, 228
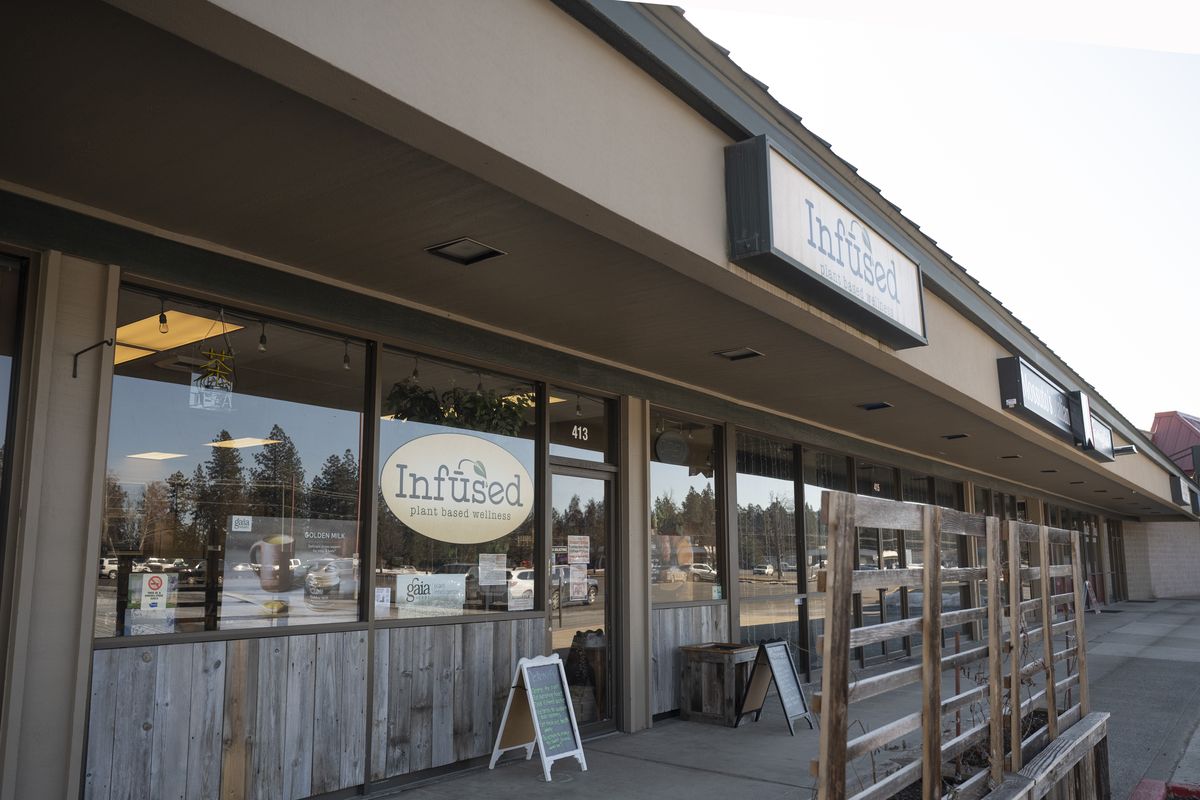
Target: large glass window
821, 471
683, 510
767, 556
457, 485
232, 488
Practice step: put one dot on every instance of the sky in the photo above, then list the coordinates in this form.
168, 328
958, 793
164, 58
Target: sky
1052, 149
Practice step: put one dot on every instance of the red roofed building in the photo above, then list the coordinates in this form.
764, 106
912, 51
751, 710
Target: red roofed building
1176, 433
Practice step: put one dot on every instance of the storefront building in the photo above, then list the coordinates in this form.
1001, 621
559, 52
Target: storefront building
348, 356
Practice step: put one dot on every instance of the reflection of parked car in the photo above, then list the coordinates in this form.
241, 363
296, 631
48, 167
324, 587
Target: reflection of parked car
699, 572
108, 568
560, 587
764, 569
520, 583
787, 566
197, 574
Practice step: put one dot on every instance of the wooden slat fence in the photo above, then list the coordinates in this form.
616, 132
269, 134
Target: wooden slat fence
1028, 609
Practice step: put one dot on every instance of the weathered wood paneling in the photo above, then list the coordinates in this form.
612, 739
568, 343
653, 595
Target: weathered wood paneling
98, 778
672, 628
444, 688
235, 719
205, 721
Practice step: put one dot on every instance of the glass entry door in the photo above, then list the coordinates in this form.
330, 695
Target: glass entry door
579, 590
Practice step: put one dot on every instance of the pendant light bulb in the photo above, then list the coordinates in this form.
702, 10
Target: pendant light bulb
416, 373
479, 386
162, 317
262, 339
346, 357
578, 406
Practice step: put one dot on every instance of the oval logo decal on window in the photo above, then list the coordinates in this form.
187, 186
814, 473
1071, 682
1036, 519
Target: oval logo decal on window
457, 488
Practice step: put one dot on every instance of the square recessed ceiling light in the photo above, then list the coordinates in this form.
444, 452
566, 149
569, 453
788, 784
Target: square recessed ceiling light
243, 441
154, 455
877, 406
464, 251
738, 353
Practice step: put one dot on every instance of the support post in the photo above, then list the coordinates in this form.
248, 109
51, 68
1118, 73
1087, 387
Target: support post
1077, 574
995, 650
931, 655
1047, 639
838, 511
1014, 636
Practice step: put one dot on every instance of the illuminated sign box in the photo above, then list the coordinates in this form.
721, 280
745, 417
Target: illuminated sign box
787, 229
1029, 394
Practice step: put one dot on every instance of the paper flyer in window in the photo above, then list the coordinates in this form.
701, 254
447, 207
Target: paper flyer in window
579, 549
492, 570
578, 582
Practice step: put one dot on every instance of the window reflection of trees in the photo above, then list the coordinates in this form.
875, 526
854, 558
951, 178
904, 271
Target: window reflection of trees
180, 516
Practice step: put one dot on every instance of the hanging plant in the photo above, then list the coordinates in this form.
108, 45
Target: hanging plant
408, 400
484, 410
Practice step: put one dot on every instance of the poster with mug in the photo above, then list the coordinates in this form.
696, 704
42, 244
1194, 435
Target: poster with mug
282, 570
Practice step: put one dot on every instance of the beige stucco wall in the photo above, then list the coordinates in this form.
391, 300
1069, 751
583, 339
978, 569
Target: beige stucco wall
1162, 559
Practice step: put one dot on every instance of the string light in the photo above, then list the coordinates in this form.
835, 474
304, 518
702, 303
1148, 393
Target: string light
262, 339
162, 316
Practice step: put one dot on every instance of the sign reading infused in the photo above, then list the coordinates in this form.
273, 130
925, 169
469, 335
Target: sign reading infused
539, 714
793, 232
457, 488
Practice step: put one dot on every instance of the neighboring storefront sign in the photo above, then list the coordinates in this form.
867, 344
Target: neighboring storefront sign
457, 488
1102, 441
787, 228
1181, 494
1028, 393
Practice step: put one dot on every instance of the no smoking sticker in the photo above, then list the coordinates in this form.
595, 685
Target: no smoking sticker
154, 592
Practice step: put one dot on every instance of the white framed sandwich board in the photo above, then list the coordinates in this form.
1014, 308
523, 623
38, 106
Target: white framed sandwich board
538, 714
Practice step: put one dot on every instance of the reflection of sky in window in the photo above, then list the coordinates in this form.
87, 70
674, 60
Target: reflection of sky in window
567, 486
673, 480
755, 490
154, 416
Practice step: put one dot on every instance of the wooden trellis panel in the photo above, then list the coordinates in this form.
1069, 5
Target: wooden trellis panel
1011, 637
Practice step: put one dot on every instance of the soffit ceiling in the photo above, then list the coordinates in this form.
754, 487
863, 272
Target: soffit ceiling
127, 118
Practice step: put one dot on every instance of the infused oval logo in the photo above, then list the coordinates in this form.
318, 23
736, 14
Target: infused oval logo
457, 488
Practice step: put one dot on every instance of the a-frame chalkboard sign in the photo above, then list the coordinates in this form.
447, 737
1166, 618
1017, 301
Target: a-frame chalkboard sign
539, 714
774, 660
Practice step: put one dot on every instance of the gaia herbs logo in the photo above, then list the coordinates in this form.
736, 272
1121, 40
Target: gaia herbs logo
457, 488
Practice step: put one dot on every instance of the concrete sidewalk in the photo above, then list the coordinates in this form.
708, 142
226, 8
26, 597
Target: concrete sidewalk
1144, 665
